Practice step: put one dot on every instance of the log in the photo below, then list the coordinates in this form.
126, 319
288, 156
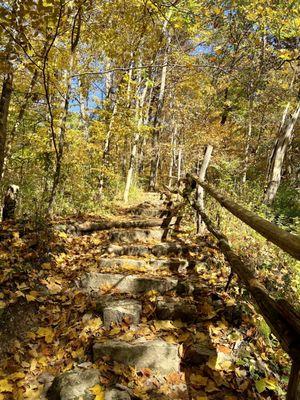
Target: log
288, 242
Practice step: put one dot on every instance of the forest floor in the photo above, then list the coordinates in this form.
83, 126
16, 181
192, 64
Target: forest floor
52, 314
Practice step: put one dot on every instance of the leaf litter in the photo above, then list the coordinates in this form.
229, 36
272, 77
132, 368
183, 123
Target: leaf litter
54, 324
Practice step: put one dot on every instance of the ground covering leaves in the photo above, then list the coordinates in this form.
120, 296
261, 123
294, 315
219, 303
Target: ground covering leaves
48, 323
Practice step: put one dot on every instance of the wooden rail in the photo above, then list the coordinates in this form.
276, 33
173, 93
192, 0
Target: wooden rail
283, 320
286, 241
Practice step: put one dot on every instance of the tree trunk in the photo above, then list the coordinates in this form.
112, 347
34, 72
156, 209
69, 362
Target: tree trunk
106, 149
7, 89
179, 163
83, 111
18, 121
172, 155
282, 143
132, 160
294, 382
156, 130
248, 141
199, 189
62, 134
10, 202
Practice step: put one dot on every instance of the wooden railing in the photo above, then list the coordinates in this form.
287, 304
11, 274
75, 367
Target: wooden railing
283, 319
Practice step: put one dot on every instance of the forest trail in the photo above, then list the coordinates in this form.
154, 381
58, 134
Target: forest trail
132, 314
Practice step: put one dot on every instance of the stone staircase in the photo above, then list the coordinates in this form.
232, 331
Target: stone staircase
126, 274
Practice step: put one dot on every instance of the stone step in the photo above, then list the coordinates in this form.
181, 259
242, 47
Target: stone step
134, 284
172, 309
136, 235
173, 265
163, 249
76, 384
157, 355
148, 211
116, 311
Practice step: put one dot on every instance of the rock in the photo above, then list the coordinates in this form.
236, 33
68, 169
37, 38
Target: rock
116, 310
133, 250
173, 265
157, 354
172, 310
136, 235
163, 249
94, 281
147, 211
74, 385
116, 394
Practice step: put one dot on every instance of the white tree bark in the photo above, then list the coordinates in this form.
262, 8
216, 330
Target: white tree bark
199, 189
282, 143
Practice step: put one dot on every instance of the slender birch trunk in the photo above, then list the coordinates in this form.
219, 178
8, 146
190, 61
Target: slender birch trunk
199, 189
285, 137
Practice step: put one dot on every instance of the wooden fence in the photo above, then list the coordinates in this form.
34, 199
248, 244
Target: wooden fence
283, 319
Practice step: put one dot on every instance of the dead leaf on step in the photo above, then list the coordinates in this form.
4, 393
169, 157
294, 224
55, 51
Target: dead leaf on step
98, 391
165, 325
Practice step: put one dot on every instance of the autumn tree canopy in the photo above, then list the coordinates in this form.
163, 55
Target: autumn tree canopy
100, 96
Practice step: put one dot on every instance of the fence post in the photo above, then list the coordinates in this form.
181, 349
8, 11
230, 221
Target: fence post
199, 189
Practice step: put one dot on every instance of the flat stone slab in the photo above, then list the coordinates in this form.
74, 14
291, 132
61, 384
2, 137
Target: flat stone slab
173, 265
76, 385
171, 310
147, 211
73, 385
136, 235
157, 355
116, 311
163, 249
134, 284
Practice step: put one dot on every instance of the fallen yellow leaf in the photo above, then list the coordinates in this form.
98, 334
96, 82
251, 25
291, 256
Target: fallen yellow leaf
16, 376
5, 386
47, 333
98, 391
29, 297
164, 325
